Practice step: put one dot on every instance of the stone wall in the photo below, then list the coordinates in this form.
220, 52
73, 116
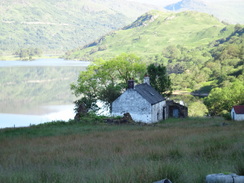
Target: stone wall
158, 110
132, 102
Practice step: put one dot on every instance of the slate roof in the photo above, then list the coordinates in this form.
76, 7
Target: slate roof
149, 93
239, 109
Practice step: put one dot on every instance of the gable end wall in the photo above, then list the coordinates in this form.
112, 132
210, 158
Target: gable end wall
132, 102
236, 117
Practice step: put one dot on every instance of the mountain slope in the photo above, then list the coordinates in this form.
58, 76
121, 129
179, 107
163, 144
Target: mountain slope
63, 24
152, 32
226, 10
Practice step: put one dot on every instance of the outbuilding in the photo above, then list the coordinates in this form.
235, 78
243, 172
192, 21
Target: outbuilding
176, 110
237, 112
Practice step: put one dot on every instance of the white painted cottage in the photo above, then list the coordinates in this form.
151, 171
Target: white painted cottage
142, 101
237, 113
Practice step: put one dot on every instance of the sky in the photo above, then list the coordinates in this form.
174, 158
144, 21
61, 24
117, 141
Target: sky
167, 2
156, 2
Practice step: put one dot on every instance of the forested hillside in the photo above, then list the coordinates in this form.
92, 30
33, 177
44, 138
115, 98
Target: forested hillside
199, 51
52, 25
58, 26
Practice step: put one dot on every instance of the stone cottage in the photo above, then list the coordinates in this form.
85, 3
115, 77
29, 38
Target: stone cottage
142, 101
237, 113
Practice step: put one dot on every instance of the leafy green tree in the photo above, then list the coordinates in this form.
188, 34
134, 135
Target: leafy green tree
220, 100
106, 79
159, 79
197, 108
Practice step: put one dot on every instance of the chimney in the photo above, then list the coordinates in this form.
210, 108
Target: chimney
131, 84
147, 79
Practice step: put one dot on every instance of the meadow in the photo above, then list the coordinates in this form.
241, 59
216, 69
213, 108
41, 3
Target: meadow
182, 150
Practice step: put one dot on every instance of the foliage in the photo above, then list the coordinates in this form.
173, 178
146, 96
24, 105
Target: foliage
197, 109
28, 54
208, 55
58, 26
221, 100
83, 105
106, 79
159, 79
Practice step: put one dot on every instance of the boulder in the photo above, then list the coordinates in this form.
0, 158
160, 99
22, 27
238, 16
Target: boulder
163, 181
223, 178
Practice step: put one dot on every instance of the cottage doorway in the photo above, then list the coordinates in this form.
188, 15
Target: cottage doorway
164, 114
176, 113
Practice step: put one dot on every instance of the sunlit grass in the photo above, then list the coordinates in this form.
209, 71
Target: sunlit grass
183, 150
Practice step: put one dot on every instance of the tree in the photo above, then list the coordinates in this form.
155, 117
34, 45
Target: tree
221, 100
159, 79
106, 79
28, 53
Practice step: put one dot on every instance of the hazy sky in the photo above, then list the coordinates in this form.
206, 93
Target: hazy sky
157, 2
167, 2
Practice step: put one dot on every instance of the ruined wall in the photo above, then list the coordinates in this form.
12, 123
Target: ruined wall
159, 111
132, 102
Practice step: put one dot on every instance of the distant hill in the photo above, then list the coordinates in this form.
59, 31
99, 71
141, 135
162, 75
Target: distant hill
231, 11
154, 31
199, 51
63, 24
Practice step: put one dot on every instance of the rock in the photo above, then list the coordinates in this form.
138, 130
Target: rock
163, 181
127, 117
222, 178
124, 120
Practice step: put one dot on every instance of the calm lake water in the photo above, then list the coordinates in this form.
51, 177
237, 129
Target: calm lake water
36, 114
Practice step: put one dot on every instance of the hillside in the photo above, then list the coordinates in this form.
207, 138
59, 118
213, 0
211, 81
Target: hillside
224, 10
61, 25
152, 32
57, 26
199, 51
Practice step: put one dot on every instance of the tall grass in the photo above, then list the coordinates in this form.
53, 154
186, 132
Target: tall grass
184, 151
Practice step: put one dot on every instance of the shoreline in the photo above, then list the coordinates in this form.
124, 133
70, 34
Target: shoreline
15, 58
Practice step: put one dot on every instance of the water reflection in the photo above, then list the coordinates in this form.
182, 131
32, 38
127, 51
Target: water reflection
53, 113
30, 88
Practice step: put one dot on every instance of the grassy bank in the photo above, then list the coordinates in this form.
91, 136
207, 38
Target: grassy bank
11, 57
183, 150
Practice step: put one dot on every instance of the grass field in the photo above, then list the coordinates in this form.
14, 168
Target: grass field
183, 150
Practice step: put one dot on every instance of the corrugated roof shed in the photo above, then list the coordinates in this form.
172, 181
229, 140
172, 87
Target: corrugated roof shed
149, 93
239, 109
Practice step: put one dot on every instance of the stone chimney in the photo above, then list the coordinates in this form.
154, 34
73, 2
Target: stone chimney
131, 84
147, 79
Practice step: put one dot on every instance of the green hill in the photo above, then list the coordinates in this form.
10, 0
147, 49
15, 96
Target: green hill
61, 25
226, 10
153, 31
199, 51
57, 26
